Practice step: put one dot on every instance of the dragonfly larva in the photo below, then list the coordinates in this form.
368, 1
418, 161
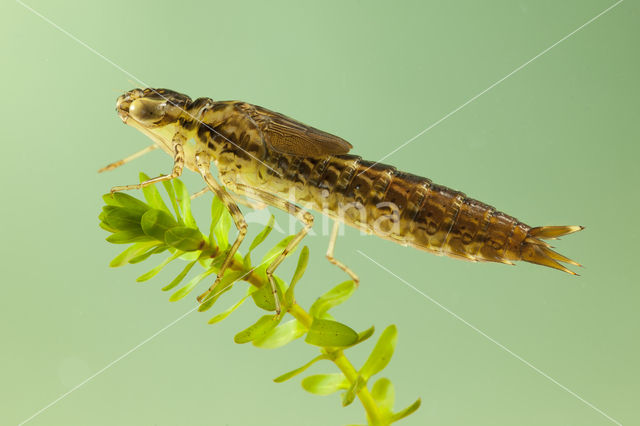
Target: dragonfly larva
273, 159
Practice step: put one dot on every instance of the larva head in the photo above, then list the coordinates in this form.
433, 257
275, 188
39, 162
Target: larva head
152, 108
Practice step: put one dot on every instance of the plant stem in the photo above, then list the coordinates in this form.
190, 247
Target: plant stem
209, 254
337, 356
340, 360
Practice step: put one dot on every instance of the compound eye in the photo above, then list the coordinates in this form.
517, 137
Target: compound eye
147, 111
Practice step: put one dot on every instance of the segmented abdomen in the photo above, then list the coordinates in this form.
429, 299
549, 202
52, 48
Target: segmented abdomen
405, 208
410, 210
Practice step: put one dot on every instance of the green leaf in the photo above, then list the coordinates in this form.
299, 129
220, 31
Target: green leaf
384, 394
220, 223
152, 195
222, 228
272, 254
156, 222
172, 197
217, 208
330, 333
126, 237
328, 316
293, 373
107, 227
177, 280
407, 411
223, 286
184, 200
350, 394
325, 384
217, 261
103, 214
281, 335
200, 256
262, 235
246, 262
107, 208
110, 200
364, 335
381, 354
186, 289
130, 253
123, 219
332, 298
263, 298
229, 311
265, 324
152, 273
303, 260
184, 238
158, 249
131, 203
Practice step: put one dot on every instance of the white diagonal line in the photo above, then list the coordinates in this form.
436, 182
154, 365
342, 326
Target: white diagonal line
92, 50
500, 345
106, 367
135, 348
492, 86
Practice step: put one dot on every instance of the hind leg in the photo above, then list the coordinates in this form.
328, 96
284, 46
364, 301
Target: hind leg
252, 204
331, 248
298, 212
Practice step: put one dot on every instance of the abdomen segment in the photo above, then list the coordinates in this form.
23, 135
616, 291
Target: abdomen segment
414, 211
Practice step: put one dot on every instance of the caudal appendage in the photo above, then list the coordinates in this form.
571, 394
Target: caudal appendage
535, 250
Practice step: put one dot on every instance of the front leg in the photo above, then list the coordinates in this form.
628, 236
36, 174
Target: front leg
178, 165
203, 164
128, 159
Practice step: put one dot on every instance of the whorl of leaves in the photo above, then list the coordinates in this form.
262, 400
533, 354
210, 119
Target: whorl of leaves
151, 228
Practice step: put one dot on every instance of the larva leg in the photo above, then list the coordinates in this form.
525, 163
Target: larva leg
307, 221
128, 159
247, 202
178, 165
303, 216
199, 193
330, 249
203, 164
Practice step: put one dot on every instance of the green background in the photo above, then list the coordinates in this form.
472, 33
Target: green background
556, 143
